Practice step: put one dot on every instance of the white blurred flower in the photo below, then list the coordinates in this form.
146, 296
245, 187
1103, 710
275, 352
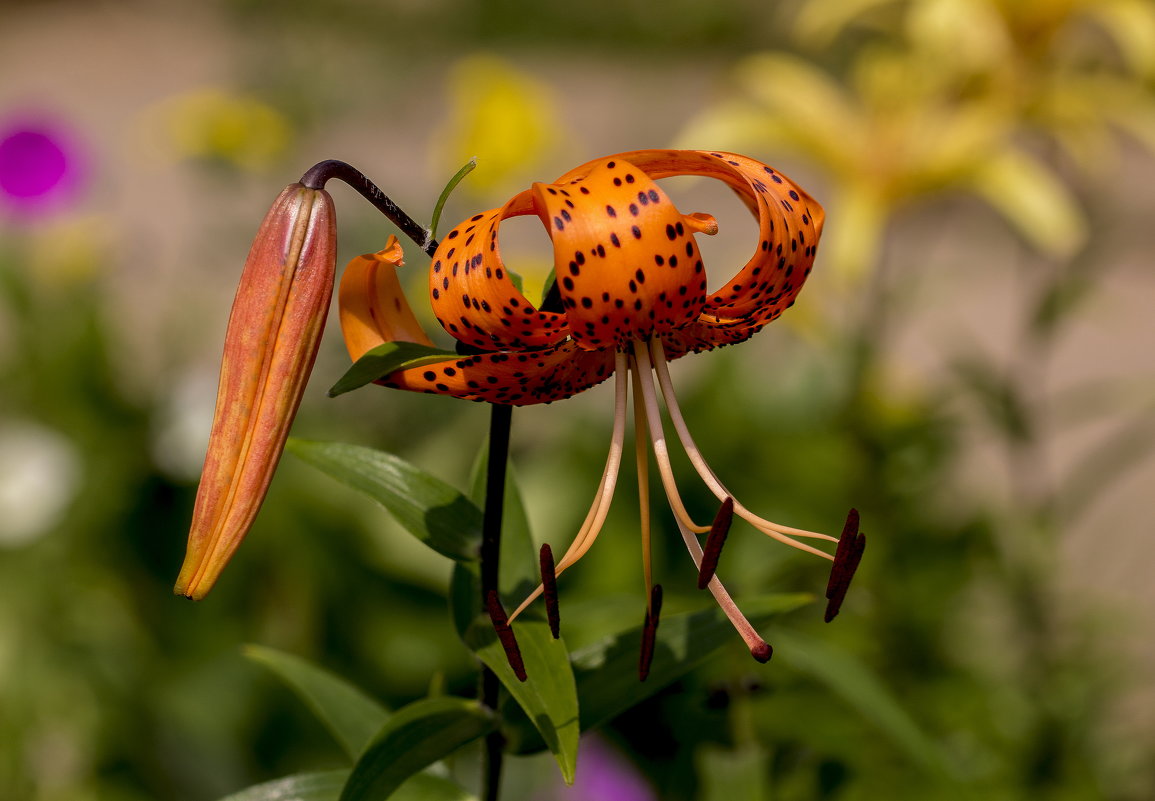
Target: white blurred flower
182, 431
40, 473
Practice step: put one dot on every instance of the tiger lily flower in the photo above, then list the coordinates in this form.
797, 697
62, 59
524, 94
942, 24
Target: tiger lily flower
630, 296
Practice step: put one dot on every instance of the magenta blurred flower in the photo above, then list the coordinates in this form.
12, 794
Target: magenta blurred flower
602, 775
39, 166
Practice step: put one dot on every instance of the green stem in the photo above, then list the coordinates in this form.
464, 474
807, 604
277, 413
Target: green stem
500, 421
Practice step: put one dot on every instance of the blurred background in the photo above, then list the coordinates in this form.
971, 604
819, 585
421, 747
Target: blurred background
970, 366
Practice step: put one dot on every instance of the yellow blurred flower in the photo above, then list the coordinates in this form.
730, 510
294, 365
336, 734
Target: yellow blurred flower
218, 125
501, 115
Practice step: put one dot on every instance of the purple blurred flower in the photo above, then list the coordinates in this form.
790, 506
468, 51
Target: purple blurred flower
39, 166
602, 775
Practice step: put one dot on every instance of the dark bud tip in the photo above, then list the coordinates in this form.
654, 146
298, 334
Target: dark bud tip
713, 550
505, 634
549, 590
762, 652
851, 546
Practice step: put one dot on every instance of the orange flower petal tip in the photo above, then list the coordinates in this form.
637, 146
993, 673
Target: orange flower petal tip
270, 346
372, 307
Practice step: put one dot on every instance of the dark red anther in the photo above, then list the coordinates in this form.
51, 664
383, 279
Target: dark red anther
649, 632
505, 634
762, 652
718, 531
549, 590
846, 558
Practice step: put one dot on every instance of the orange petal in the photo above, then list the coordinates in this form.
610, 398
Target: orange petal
273, 334
625, 257
372, 308
515, 379
789, 224
473, 295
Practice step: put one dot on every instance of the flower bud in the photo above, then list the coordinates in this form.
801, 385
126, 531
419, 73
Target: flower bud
273, 335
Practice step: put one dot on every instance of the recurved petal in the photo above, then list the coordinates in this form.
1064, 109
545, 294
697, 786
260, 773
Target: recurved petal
473, 294
789, 225
625, 257
371, 305
273, 334
516, 379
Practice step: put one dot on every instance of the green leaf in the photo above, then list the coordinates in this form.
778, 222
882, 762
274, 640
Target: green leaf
327, 787
300, 787
850, 678
549, 694
467, 168
349, 714
388, 358
414, 738
425, 506
606, 672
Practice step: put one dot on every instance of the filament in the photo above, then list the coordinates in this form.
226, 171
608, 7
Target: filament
596, 517
781, 533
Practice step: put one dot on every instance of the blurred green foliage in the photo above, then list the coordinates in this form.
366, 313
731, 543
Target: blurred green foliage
953, 671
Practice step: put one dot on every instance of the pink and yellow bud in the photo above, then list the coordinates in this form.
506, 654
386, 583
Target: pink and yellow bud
273, 335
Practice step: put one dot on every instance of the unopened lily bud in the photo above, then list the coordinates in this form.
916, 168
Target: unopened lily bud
273, 335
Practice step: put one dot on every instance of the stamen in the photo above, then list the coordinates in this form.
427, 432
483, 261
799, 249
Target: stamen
650, 632
549, 590
715, 541
774, 530
505, 634
596, 516
850, 548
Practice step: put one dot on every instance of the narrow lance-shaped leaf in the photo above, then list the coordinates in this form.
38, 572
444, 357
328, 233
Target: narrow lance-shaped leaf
300, 787
548, 695
606, 673
850, 678
425, 506
327, 787
349, 714
414, 738
385, 359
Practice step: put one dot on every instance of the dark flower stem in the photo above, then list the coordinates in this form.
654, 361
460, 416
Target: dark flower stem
500, 421
321, 172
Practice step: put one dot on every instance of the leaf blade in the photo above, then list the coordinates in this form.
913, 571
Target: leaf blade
549, 695
385, 359
850, 678
349, 714
327, 786
425, 506
415, 737
605, 673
